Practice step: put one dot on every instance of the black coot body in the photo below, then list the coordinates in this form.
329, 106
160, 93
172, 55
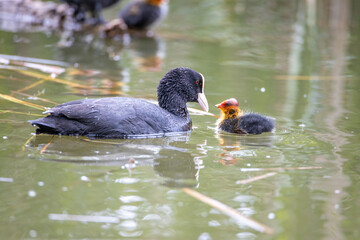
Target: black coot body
232, 120
143, 14
93, 6
121, 117
250, 123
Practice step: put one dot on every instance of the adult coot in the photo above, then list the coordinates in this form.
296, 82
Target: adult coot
121, 117
93, 6
232, 120
142, 14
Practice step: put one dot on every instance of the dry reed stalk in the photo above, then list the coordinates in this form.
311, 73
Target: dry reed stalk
276, 169
253, 179
194, 110
41, 99
229, 211
31, 86
45, 147
22, 113
15, 100
27, 141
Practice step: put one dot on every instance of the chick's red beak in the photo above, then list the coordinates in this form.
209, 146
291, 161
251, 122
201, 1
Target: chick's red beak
221, 105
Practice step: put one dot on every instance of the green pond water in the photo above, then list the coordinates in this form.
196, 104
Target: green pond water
297, 61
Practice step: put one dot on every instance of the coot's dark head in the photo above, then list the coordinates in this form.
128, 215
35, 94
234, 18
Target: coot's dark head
229, 108
181, 85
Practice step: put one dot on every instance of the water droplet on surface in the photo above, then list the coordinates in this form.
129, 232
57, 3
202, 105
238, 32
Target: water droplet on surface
84, 178
41, 184
271, 216
152, 217
31, 193
129, 224
262, 89
33, 233
214, 223
130, 199
302, 125
246, 235
126, 180
116, 58
204, 236
5, 137
64, 189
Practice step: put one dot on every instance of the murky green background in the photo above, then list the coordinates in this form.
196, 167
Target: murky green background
297, 61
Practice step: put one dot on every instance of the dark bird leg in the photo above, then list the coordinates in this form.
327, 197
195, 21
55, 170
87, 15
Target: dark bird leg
96, 14
79, 14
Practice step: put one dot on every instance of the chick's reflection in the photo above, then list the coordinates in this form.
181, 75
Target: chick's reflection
236, 147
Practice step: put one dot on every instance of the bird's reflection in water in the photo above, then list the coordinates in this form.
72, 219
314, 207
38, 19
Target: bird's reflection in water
94, 63
147, 53
176, 165
179, 169
97, 62
235, 146
89, 51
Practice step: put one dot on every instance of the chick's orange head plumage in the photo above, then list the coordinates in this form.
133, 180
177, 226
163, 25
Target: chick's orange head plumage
228, 103
156, 2
229, 108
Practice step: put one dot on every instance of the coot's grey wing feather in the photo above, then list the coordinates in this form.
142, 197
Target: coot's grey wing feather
110, 117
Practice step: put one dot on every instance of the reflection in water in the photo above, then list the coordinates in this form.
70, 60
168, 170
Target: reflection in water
179, 167
147, 52
96, 61
232, 145
90, 51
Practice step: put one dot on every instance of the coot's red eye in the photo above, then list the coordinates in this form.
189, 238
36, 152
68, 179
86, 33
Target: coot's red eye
197, 82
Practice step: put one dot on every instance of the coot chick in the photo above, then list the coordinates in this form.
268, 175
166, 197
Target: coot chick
143, 14
234, 121
122, 117
93, 6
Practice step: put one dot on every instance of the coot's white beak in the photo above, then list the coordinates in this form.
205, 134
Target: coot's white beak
201, 96
203, 102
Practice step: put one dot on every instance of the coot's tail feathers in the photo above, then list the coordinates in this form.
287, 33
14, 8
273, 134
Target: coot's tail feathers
44, 126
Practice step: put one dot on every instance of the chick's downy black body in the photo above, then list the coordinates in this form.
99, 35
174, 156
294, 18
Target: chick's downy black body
232, 120
121, 117
249, 123
142, 14
93, 6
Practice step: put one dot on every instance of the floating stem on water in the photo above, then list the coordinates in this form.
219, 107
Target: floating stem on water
229, 211
15, 100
